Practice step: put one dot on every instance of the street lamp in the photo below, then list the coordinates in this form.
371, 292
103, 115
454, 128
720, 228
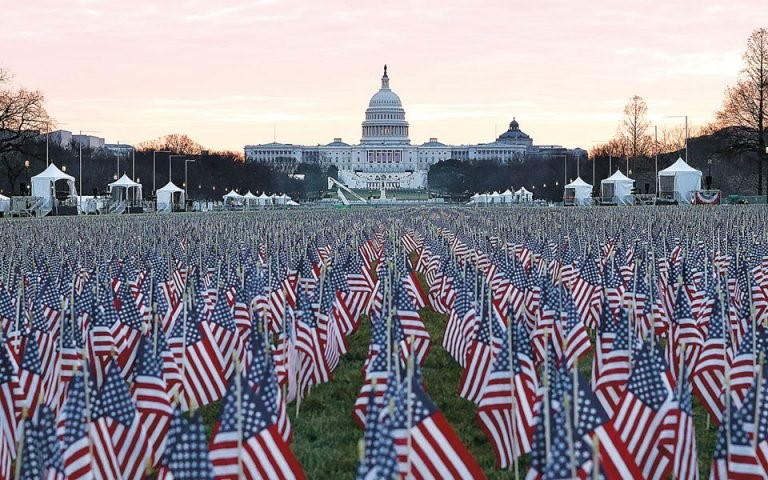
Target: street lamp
154, 153
170, 157
686, 132
26, 166
80, 143
186, 199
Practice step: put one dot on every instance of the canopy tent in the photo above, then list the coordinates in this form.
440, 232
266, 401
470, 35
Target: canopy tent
250, 199
523, 195
578, 192
126, 190
264, 199
168, 197
233, 199
291, 203
507, 196
44, 185
617, 189
280, 199
494, 197
678, 182
5, 204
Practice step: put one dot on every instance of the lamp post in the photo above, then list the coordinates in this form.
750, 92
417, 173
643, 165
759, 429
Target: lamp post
686, 132
29, 187
154, 186
80, 144
186, 182
170, 157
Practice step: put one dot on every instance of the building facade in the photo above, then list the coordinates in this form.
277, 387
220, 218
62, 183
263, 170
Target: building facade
385, 157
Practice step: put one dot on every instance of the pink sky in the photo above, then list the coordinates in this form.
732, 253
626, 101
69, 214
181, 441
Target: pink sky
234, 72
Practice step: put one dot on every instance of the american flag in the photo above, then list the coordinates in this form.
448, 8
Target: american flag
572, 334
709, 374
50, 453
644, 414
226, 334
461, 325
8, 422
436, 451
374, 386
505, 406
29, 386
262, 377
480, 355
379, 454
248, 422
73, 431
199, 361
412, 324
587, 292
151, 395
612, 360
313, 368
118, 439
189, 459
685, 465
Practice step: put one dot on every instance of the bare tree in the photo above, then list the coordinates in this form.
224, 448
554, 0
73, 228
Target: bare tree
746, 103
635, 127
177, 143
22, 118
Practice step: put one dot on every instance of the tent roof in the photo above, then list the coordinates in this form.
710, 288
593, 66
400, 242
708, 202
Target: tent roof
292, 203
3, 197
170, 187
263, 195
249, 195
124, 181
578, 183
53, 173
507, 192
233, 194
679, 166
618, 177
522, 191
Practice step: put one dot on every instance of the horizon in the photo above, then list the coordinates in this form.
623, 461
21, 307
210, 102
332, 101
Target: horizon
249, 72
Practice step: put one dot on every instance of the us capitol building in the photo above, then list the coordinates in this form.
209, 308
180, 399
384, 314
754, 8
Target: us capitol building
385, 157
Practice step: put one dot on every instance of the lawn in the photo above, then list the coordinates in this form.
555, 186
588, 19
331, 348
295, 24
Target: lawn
326, 438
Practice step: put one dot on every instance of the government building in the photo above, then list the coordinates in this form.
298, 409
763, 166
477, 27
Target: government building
385, 157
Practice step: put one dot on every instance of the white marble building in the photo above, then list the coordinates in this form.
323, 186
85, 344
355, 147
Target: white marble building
385, 158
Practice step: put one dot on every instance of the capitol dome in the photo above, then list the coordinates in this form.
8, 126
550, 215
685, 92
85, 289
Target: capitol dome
385, 117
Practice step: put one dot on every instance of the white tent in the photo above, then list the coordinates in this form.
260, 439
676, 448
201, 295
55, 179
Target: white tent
168, 197
578, 192
280, 199
495, 197
126, 190
617, 189
250, 199
5, 204
291, 203
233, 199
522, 195
679, 181
264, 199
507, 196
44, 184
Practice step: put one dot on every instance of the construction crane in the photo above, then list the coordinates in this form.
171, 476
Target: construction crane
340, 186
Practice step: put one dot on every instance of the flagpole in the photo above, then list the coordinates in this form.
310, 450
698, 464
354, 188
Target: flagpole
569, 429
514, 406
545, 381
757, 398
239, 393
409, 403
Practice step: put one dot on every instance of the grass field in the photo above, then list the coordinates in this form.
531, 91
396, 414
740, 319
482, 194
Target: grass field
326, 438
